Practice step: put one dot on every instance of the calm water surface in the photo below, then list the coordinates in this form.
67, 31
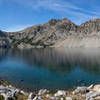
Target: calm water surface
50, 68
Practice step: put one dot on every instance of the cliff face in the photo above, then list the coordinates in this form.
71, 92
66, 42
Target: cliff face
4, 40
56, 33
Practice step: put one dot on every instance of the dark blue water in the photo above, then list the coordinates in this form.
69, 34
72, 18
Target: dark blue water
50, 68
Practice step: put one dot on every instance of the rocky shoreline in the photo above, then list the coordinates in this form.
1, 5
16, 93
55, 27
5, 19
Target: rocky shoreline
9, 92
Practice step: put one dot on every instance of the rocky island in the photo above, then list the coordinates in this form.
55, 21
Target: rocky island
55, 33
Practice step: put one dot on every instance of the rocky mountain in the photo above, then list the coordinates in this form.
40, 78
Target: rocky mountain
55, 33
90, 26
4, 40
43, 35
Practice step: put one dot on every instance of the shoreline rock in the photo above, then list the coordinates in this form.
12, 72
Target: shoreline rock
8, 92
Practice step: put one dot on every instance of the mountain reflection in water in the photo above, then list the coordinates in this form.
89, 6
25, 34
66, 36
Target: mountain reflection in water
50, 68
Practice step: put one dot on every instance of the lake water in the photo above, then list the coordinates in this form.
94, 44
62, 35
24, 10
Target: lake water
50, 68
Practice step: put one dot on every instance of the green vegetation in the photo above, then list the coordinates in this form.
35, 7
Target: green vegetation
5, 83
1, 97
29, 41
41, 43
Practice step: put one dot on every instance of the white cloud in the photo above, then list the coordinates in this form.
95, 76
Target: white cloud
16, 28
55, 3
78, 14
62, 7
67, 8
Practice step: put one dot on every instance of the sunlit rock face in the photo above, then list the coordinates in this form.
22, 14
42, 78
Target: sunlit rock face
55, 33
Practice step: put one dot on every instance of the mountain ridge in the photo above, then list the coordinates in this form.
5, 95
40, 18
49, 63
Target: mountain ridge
56, 33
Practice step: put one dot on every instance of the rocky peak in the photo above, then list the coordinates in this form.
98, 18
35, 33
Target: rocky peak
52, 22
91, 22
90, 26
66, 20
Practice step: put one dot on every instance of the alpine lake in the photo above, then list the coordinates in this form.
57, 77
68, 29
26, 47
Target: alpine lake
50, 68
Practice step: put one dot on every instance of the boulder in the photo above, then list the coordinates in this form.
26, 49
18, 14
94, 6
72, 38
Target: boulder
60, 93
61, 98
81, 90
68, 98
91, 86
22, 92
54, 98
92, 94
43, 91
37, 98
9, 92
31, 96
96, 88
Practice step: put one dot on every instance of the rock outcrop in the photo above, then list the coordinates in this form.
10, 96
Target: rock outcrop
4, 40
8, 92
55, 33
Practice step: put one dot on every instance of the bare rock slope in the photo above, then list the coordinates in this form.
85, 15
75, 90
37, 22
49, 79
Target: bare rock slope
56, 33
4, 40
86, 36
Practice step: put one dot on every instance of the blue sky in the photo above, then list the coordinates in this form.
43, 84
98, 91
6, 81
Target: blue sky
19, 14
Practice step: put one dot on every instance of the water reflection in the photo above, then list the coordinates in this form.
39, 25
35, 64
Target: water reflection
60, 60
50, 68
